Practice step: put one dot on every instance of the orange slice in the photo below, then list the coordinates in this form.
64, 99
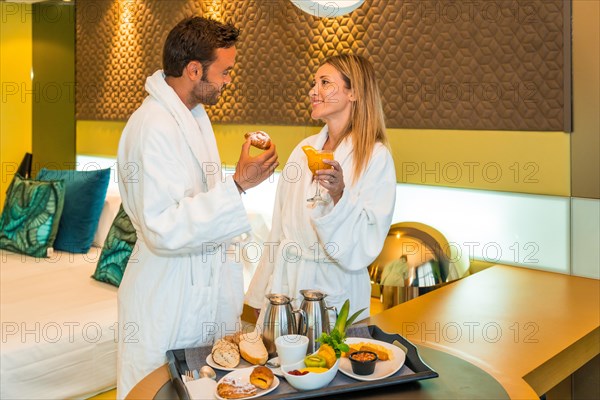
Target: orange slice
309, 150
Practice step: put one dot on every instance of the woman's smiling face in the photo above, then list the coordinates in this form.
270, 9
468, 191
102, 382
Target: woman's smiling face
329, 96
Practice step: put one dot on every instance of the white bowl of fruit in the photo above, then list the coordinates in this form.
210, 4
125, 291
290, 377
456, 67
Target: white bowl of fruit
302, 377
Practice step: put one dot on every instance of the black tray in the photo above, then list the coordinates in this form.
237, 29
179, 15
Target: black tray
341, 384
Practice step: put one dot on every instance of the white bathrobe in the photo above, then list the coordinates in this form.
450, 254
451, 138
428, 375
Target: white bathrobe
182, 283
327, 247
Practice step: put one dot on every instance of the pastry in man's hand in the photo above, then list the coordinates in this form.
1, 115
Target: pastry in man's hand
262, 377
259, 139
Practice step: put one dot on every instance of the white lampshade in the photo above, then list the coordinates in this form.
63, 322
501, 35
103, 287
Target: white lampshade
327, 8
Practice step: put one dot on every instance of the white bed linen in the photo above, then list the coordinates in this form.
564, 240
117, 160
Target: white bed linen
59, 327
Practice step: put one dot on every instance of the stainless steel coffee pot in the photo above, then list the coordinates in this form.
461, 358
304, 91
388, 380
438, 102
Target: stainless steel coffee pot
280, 320
317, 317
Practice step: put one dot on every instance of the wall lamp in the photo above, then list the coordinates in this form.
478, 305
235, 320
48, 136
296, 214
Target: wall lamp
327, 8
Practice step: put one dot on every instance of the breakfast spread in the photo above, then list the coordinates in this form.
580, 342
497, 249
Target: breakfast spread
359, 357
228, 351
259, 139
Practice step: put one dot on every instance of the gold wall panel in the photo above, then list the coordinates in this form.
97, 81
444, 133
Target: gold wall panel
441, 64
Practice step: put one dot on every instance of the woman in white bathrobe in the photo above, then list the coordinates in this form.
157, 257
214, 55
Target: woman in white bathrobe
182, 286
329, 246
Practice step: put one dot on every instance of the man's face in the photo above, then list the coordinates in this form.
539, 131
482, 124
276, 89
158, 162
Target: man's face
208, 89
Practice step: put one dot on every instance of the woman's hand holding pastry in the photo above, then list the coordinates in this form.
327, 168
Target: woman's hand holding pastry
250, 170
332, 179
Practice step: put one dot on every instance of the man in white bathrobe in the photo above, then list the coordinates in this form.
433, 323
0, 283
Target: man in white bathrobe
182, 286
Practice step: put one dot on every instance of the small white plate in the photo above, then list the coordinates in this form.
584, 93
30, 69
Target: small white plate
383, 369
243, 376
276, 370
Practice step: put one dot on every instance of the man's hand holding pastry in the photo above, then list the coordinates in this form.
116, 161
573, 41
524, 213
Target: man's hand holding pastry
252, 170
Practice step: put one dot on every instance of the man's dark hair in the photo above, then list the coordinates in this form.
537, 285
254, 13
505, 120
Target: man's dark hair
196, 38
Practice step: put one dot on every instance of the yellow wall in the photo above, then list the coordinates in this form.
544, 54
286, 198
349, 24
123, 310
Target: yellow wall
15, 78
526, 162
229, 138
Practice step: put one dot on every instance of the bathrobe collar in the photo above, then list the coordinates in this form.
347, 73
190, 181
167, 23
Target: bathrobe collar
194, 124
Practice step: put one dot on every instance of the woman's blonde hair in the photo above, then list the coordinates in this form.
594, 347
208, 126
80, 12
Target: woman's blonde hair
367, 121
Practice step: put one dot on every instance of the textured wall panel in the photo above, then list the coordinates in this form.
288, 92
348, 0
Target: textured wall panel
441, 64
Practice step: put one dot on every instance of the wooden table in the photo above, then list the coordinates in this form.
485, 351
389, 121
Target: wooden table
527, 329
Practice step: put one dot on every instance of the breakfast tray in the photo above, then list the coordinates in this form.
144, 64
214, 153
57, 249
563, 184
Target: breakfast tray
414, 369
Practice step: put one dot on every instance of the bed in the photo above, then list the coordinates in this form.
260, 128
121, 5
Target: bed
59, 327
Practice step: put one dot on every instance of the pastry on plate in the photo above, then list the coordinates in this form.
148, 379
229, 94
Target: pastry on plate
262, 377
232, 389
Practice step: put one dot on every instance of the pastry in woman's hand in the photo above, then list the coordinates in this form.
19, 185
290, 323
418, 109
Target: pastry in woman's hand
259, 139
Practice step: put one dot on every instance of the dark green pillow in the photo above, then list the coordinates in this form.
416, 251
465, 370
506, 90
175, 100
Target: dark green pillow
31, 215
116, 251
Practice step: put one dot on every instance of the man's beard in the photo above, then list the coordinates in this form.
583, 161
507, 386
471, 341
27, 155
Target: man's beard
207, 93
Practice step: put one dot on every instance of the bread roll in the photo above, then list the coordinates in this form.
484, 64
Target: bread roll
261, 377
252, 348
259, 139
233, 338
226, 354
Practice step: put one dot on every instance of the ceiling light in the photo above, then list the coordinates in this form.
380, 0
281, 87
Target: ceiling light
327, 8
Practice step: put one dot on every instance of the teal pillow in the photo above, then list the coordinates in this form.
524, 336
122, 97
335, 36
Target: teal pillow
117, 249
84, 198
31, 216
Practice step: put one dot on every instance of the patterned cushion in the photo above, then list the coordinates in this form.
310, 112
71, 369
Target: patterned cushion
117, 249
84, 199
31, 215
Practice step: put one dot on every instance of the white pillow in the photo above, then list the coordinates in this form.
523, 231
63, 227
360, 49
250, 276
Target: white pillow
112, 202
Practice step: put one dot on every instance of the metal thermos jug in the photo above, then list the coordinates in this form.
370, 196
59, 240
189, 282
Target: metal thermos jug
280, 320
317, 317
